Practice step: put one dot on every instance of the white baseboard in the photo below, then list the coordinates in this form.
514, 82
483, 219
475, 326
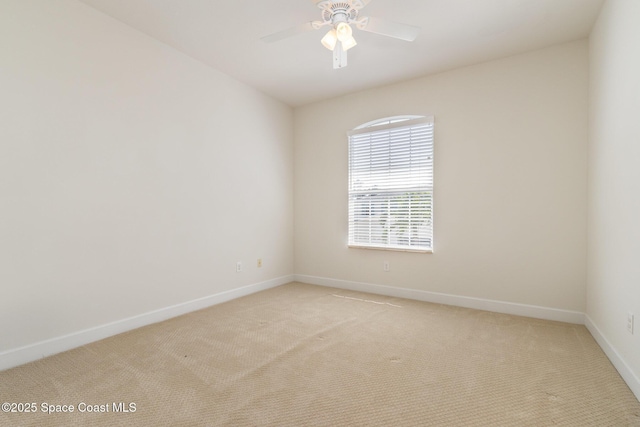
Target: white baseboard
618, 362
29, 353
455, 300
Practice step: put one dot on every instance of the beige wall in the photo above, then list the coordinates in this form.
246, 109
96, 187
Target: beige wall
510, 181
614, 180
132, 177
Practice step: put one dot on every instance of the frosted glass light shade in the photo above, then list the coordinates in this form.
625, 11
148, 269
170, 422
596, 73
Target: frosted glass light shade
348, 44
330, 39
344, 31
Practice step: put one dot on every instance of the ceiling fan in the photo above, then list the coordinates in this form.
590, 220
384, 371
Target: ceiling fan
339, 16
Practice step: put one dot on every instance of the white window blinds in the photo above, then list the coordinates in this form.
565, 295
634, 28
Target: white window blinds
391, 184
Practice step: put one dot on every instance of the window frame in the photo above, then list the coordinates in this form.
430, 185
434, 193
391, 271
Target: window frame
396, 123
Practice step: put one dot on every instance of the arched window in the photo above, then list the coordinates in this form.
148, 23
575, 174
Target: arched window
391, 184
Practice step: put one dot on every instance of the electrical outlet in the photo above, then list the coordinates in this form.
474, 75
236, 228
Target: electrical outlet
238, 267
259, 262
385, 266
630, 322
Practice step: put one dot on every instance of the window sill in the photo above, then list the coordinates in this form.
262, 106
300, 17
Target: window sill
379, 248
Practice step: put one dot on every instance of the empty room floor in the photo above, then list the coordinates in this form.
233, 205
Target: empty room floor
308, 355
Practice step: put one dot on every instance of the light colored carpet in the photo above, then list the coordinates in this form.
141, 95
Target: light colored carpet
301, 355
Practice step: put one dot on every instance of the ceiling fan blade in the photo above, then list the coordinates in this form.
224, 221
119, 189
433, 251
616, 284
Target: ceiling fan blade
389, 28
293, 31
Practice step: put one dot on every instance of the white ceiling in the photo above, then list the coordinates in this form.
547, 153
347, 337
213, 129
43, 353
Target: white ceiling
226, 35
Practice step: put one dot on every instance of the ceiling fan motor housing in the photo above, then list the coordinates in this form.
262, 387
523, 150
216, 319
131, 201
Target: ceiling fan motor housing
337, 12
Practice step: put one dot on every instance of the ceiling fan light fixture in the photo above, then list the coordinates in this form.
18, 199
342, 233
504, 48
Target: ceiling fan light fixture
339, 16
344, 31
348, 44
330, 39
